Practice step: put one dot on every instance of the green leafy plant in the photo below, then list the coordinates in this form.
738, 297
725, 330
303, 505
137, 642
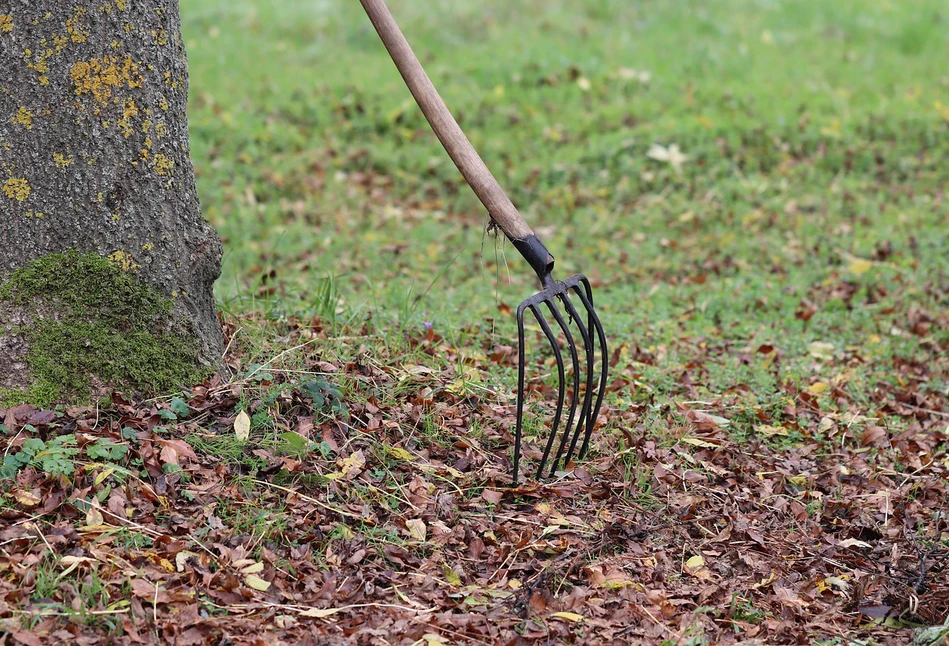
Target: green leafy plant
326, 396
53, 457
104, 449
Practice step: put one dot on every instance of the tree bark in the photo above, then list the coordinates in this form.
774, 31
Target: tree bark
94, 156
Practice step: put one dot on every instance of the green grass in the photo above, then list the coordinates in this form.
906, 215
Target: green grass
815, 137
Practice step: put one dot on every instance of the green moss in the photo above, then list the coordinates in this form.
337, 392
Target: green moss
109, 326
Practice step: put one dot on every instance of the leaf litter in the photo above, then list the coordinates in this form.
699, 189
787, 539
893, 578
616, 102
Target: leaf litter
394, 520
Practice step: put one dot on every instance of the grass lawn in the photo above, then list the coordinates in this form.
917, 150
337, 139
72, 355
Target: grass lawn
756, 189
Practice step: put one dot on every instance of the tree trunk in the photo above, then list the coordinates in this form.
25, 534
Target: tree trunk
94, 157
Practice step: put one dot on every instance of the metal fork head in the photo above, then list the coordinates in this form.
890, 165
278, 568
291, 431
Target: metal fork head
570, 304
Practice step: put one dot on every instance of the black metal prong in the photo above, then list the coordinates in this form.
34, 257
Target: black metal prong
575, 364
561, 383
583, 420
520, 387
594, 320
592, 393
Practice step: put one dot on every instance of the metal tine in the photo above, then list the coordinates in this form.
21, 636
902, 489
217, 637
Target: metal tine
569, 433
520, 386
590, 408
594, 321
561, 381
568, 337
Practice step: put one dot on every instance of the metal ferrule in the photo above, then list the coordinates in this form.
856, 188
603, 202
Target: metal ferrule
537, 256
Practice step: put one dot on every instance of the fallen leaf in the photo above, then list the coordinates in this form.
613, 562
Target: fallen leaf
821, 350
492, 496
351, 466
569, 616
242, 426
27, 498
147, 590
181, 559
94, 516
255, 582
400, 454
451, 576
416, 529
694, 441
875, 436
695, 566
859, 266
671, 155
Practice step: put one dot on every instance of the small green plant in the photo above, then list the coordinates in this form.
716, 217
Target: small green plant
53, 457
326, 396
743, 610
106, 450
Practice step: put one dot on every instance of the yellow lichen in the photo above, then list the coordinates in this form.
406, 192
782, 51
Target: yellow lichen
61, 160
129, 110
160, 36
24, 117
148, 246
35, 214
162, 165
120, 4
160, 130
76, 33
6, 23
60, 42
100, 76
123, 260
16, 188
163, 103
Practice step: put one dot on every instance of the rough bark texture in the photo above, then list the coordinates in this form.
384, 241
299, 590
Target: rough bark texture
94, 153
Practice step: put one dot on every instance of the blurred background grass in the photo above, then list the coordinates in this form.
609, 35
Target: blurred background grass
714, 167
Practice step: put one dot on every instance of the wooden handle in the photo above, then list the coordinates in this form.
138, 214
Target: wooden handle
455, 142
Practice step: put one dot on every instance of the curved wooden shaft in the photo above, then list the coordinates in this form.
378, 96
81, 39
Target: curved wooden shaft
460, 150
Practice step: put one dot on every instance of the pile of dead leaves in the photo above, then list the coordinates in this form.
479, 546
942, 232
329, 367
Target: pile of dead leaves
353, 519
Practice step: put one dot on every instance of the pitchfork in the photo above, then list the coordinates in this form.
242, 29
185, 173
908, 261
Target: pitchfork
506, 217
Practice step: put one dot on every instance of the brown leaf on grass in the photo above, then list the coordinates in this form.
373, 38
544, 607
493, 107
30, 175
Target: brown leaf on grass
173, 449
492, 496
28, 498
150, 591
26, 638
9, 420
875, 436
41, 417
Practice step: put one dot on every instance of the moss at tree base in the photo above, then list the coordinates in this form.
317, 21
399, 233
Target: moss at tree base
91, 322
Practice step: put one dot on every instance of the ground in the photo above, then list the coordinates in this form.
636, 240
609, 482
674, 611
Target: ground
756, 190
